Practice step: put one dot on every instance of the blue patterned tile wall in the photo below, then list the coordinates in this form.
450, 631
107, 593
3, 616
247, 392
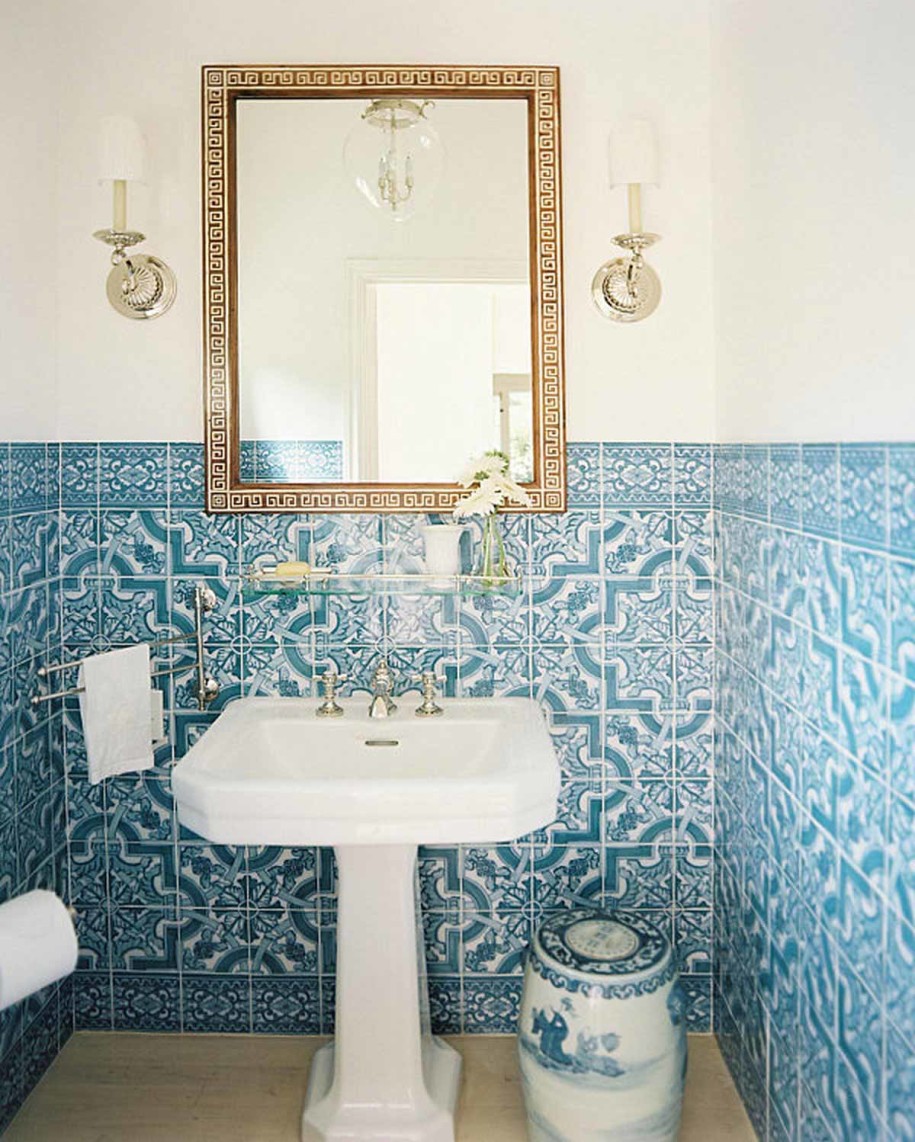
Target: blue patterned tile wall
32, 824
813, 677
815, 786
613, 635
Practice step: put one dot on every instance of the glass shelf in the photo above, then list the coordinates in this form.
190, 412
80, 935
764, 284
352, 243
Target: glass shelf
343, 583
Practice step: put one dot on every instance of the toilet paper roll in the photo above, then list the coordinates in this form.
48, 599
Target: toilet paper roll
38, 944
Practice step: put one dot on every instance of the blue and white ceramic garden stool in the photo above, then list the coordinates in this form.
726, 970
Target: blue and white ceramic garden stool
602, 1034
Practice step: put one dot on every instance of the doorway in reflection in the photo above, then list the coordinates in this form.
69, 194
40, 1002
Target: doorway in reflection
442, 372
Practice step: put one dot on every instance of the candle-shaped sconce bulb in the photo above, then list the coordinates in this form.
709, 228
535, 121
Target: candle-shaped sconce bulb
119, 205
635, 207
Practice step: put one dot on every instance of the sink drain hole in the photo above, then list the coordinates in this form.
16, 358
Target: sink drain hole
382, 741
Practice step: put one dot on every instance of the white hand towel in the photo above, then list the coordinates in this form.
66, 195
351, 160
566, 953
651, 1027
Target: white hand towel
115, 708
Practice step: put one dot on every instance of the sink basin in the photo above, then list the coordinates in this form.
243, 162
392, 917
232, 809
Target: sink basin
269, 772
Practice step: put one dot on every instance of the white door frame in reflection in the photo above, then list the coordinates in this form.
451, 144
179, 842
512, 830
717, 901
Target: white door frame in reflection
435, 404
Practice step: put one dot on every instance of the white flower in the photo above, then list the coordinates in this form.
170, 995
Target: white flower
495, 486
511, 491
483, 500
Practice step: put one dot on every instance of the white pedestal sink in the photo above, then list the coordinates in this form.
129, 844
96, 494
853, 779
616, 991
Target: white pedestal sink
269, 772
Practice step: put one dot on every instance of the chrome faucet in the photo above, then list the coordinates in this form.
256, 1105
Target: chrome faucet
382, 704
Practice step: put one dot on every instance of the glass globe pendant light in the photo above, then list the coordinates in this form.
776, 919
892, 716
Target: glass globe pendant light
394, 156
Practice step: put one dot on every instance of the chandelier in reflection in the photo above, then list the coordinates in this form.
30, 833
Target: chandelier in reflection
394, 156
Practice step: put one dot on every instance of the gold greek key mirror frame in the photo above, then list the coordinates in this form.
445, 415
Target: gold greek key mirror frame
222, 87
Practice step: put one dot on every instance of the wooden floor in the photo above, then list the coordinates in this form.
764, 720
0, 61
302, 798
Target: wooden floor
108, 1087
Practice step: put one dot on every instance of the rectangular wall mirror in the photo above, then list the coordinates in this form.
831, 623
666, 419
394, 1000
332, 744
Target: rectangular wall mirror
382, 284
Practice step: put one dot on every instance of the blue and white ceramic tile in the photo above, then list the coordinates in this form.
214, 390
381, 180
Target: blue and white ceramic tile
785, 484
131, 543
756, 480
288, 878
639, 678
442, 943
583, 475
274, 538
216, 1003
28, 478
902, 499
133, 475
203, 546
215, 941
634, 475
185, 474
284, 942
568, 544
80, 475
144, 939
639, 746
864, 614
486, 621
494, 945
566, 876
146, 1002
491, 1004
693, 475
446, 1005
212, 877
495, 880
285, 1006
863, 494
635, 542
638, 876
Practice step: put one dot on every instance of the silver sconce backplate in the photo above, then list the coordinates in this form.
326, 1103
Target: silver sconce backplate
139, 286
627, 289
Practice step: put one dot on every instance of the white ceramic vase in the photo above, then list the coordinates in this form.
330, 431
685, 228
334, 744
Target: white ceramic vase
602, 1035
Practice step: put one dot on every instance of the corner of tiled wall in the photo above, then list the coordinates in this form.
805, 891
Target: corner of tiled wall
32, 796
815, 787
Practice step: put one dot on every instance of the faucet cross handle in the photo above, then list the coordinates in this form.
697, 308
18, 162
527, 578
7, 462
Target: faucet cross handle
329, 681
428, 708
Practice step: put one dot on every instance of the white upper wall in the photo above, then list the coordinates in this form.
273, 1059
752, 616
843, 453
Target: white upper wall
122, 379
28, 207
814, 225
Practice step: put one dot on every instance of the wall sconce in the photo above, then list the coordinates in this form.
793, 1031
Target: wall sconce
628, 289
139, 285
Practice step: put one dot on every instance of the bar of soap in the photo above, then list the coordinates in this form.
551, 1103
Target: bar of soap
293, 567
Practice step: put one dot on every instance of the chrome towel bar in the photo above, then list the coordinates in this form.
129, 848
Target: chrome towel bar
207, 688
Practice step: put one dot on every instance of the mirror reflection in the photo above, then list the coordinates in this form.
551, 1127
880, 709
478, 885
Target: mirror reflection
384, 301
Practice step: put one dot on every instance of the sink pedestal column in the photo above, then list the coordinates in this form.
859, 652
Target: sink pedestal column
384, 1078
